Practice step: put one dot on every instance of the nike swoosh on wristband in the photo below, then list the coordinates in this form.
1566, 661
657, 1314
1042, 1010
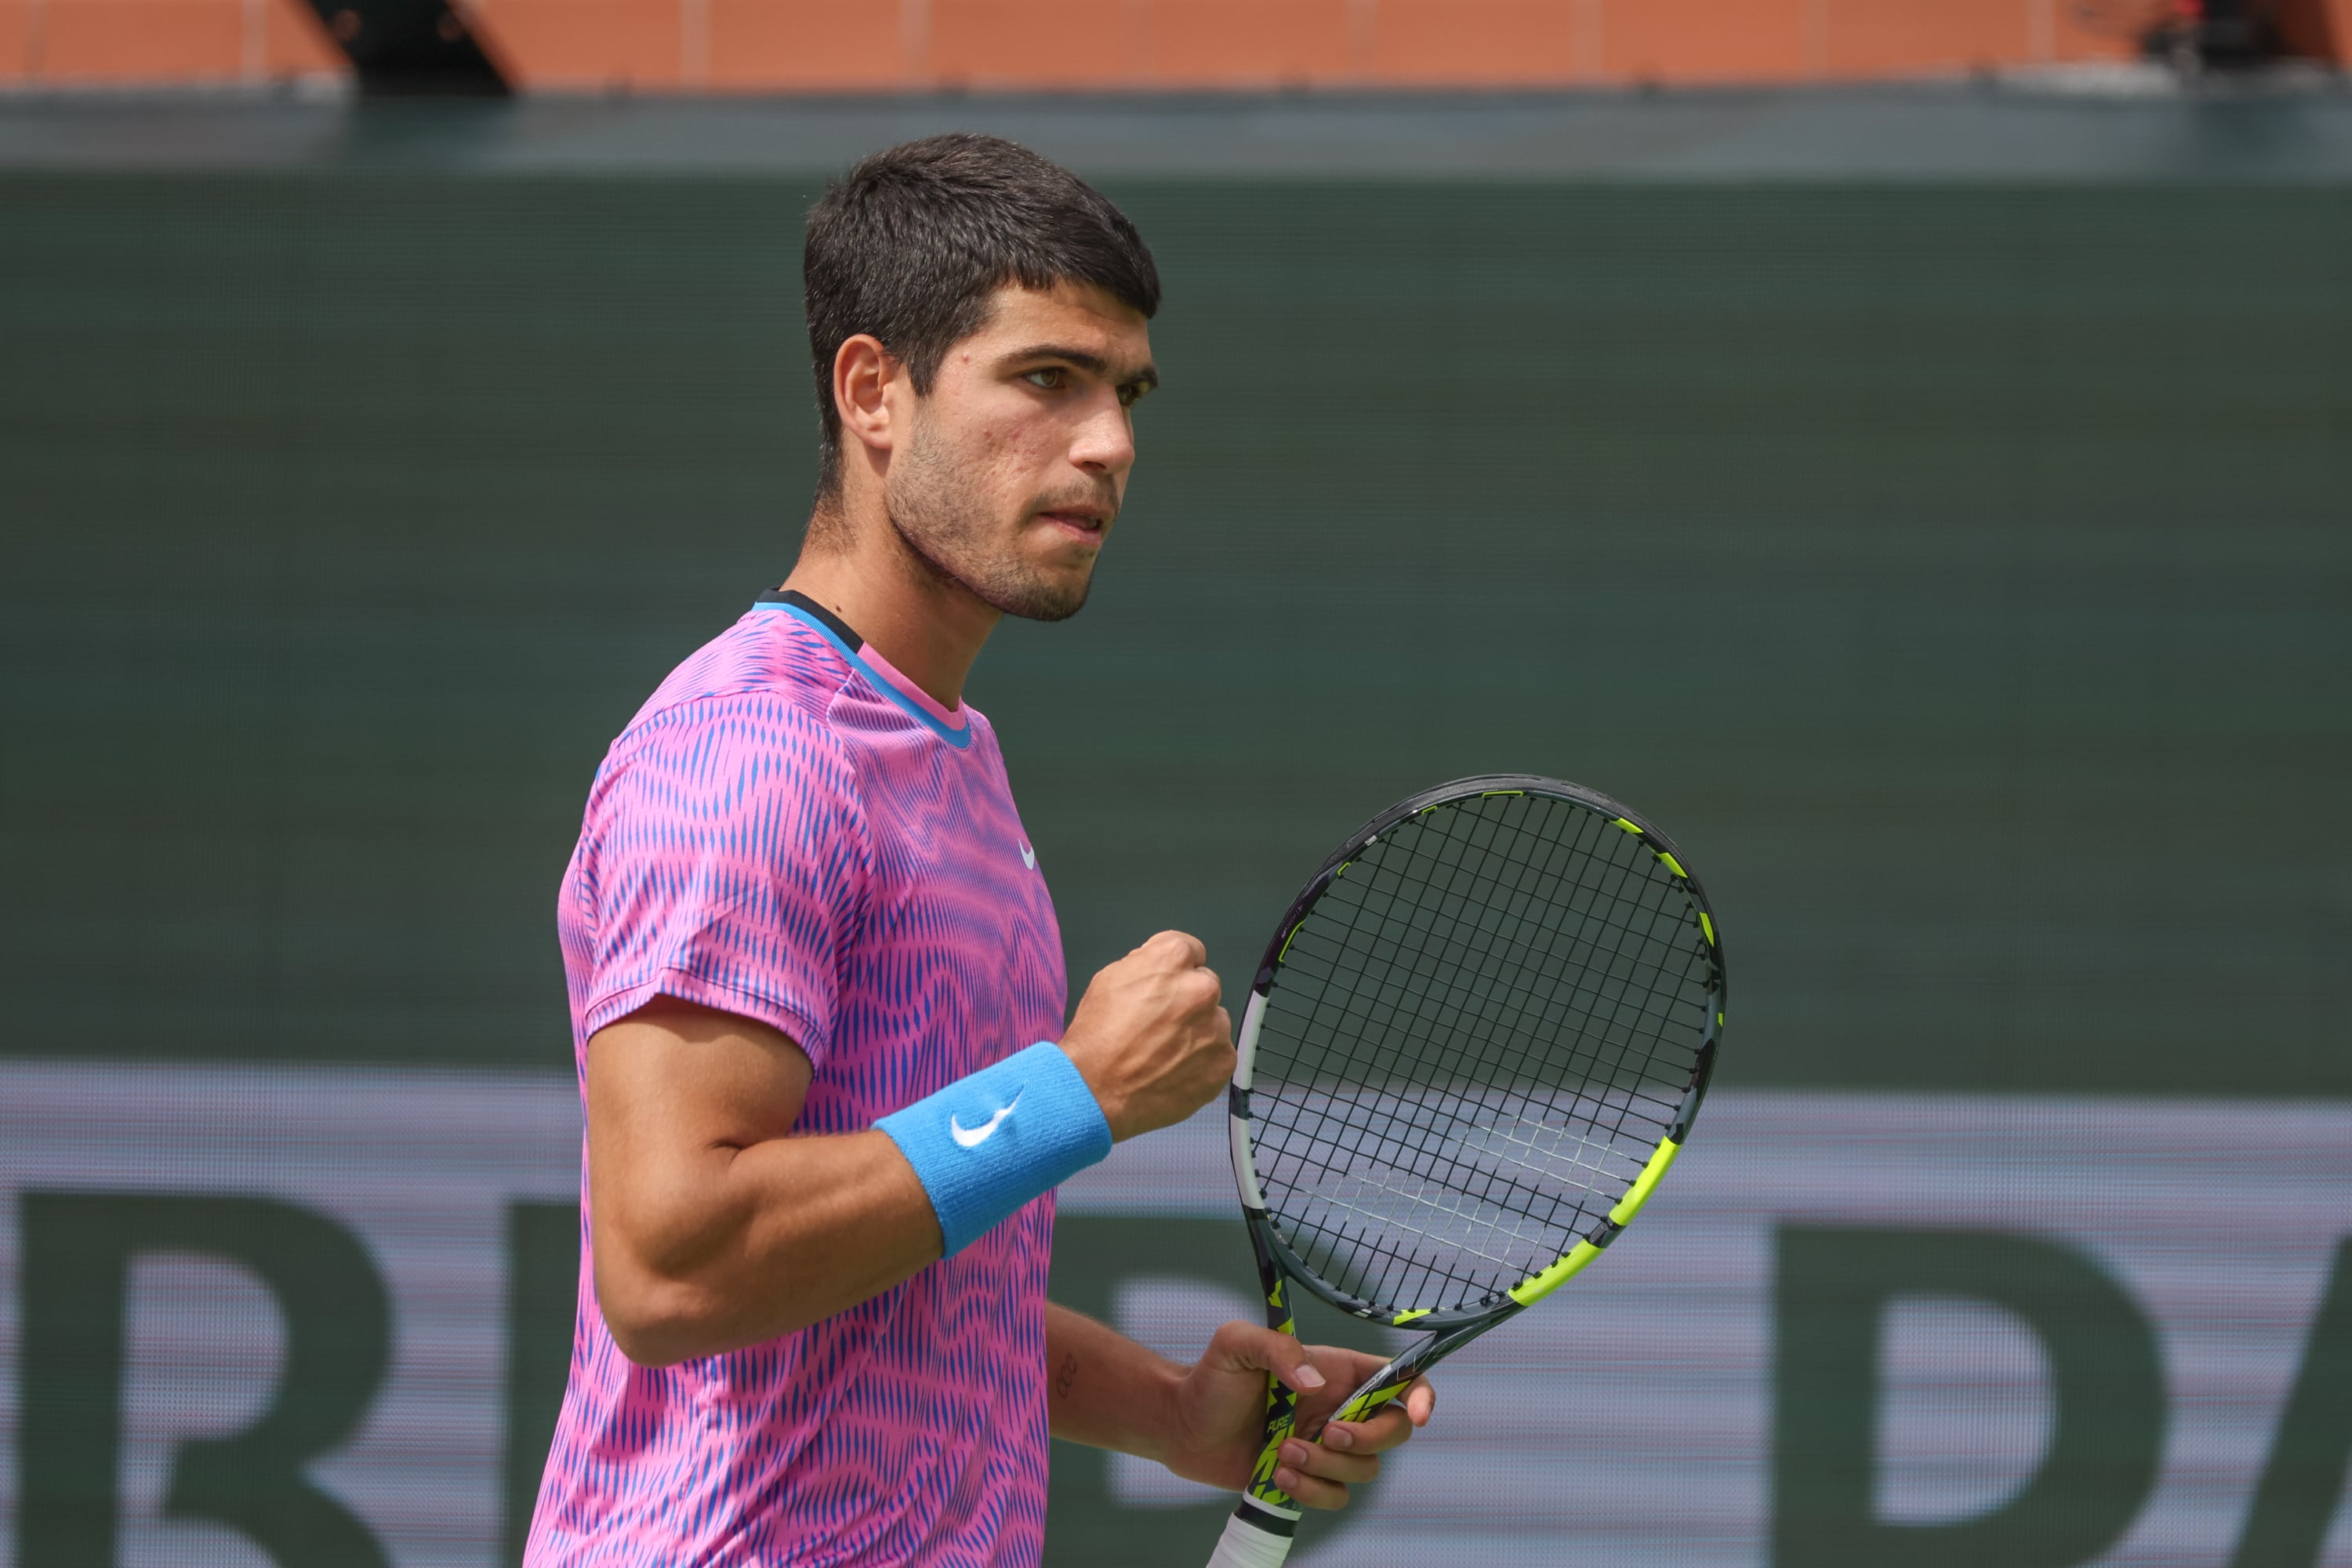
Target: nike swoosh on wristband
974, 1137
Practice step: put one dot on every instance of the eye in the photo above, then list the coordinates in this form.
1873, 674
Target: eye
1051, 378
1132, 394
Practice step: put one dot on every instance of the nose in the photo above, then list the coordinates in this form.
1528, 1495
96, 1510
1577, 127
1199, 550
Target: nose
1104, 442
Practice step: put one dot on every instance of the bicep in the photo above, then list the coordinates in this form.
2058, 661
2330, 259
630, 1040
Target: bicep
675, 1092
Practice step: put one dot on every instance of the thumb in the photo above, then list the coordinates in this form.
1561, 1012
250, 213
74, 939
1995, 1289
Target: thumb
1251, 1347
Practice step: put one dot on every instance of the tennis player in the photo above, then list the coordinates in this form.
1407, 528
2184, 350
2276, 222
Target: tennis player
816, 984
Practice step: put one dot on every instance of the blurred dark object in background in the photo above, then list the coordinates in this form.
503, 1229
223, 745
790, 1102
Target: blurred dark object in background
2196, 36
2244, 39
411, 49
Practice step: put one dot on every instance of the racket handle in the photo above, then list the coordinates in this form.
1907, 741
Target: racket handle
1245, 1545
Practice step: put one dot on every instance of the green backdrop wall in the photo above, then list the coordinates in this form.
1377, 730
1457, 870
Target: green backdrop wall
1962, 572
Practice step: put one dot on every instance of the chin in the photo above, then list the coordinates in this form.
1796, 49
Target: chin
1053, 607
1043, 598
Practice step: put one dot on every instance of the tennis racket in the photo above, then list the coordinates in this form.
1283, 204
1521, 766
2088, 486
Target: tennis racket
1475, 1043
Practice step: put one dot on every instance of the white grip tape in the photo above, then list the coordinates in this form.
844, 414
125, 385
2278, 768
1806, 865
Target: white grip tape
1245, 1545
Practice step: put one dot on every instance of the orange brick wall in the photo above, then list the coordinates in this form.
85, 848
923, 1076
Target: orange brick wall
107, 42
752, 46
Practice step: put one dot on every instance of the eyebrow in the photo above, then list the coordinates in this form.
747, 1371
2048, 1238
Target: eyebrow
1149, 376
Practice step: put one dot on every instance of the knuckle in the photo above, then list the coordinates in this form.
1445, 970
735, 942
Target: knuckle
1187, 946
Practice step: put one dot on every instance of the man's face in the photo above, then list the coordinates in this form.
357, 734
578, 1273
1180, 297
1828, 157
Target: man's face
1016, 461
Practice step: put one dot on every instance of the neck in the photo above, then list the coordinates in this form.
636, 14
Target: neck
930, 626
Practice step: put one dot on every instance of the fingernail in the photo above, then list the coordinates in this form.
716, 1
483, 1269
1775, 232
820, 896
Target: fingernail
1295, 1453
1308, 1378
1286, 1479
1339, 1437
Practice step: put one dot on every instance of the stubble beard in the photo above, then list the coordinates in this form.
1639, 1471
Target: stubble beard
940, 518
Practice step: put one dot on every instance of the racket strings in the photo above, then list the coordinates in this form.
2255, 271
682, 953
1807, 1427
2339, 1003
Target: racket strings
1480, 1192
1508, 984
1505, 1042
1424, 959
1430, 1193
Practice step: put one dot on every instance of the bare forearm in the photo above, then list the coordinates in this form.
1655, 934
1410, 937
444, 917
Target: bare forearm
1103, 1389
758, 1242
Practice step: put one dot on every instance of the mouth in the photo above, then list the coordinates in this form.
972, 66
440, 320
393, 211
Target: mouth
1083, 523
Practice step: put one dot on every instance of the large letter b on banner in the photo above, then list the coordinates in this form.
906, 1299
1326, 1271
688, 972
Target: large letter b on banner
77, 1251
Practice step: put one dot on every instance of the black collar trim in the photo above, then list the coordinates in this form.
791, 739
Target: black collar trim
776, 597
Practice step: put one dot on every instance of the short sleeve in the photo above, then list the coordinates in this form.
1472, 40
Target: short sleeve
725, 862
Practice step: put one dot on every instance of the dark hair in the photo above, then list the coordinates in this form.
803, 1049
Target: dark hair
912, 244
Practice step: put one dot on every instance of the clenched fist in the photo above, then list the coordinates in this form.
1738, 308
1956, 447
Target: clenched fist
1149, 1038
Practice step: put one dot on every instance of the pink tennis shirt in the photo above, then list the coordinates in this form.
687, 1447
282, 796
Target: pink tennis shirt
793, 831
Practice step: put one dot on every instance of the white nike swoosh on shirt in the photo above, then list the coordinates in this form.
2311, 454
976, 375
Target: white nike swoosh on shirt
1029, 857
974, 1137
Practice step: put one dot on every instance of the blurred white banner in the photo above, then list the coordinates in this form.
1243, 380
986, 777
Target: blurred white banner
1630, 1418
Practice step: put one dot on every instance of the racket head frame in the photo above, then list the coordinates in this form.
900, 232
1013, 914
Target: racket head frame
1277, 1260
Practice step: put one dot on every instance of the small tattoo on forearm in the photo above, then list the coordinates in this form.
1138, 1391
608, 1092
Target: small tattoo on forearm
1066, 1379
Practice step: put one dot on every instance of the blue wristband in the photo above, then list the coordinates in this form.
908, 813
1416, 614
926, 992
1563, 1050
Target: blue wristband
988, 1143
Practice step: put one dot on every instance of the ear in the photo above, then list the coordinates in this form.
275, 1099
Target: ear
863, 374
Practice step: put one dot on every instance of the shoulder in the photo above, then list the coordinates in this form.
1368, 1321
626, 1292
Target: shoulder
765, 663
741, 727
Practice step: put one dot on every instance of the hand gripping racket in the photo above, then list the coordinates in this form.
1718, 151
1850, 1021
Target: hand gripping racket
1476, 1041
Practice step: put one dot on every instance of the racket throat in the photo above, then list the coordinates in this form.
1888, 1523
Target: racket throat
1394, 1379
